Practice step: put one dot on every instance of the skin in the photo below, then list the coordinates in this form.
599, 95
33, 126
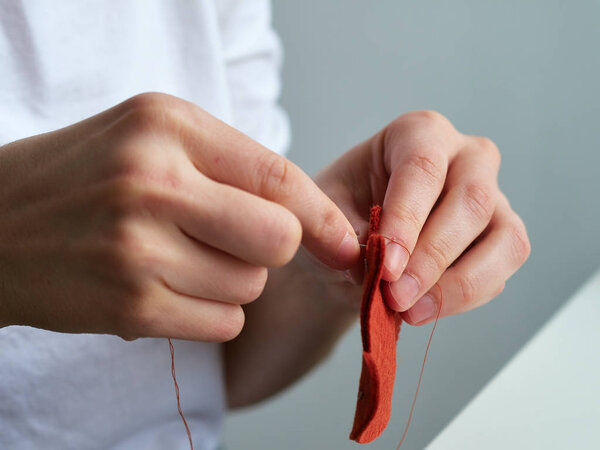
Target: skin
441, 202
155, 219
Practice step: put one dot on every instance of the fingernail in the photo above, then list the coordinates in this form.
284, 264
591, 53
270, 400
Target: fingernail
422, 310
404, 291
396, 258
347, 248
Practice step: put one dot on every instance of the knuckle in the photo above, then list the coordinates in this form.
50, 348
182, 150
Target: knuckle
148, 112
428, 166
520, 245
147, 101
328, 226
420, 124
254, 285
328, 222
139, 192
149, 181
272, 174
469, 289
489, 147
129, 151
429, 118
126, 239
437, 251
137, 147
479, 200
406, 214
427, 123
132, 165
132, 247
284, 236
228, 326
132, 172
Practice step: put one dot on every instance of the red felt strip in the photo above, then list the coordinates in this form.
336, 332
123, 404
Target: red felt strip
380, 327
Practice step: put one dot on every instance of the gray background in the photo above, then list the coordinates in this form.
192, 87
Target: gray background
524, 73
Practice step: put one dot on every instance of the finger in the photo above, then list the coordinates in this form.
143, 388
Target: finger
230, 157
346, 201
165, 313
418, 148
197, 270
463, 213
247, 227
480, 274
260, 232
253, 229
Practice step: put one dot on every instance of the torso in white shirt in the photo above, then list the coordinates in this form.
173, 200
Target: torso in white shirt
59, 63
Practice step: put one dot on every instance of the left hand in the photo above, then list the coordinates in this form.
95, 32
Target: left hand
442, 203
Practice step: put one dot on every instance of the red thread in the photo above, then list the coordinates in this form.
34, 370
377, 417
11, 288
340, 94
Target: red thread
187, 429
422, 369
395, 241
374, 219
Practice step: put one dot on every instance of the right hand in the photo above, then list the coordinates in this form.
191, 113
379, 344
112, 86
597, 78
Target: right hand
152, 218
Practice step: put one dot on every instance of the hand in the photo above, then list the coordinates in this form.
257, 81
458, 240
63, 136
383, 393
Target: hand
446, 219
152, 218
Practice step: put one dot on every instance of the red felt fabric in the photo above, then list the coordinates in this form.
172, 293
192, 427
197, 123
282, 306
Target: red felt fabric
380, 327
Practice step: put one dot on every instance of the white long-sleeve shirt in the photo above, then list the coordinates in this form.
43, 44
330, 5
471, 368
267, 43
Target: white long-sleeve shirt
61, 62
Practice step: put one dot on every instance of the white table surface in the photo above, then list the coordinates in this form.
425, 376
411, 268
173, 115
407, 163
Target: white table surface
548, 395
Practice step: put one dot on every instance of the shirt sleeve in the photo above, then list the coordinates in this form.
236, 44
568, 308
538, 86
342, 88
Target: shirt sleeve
253, 56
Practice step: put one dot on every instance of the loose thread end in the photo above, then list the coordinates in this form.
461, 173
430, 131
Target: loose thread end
412, 408
187, 428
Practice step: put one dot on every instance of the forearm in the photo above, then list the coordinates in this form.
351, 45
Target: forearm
292, 327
